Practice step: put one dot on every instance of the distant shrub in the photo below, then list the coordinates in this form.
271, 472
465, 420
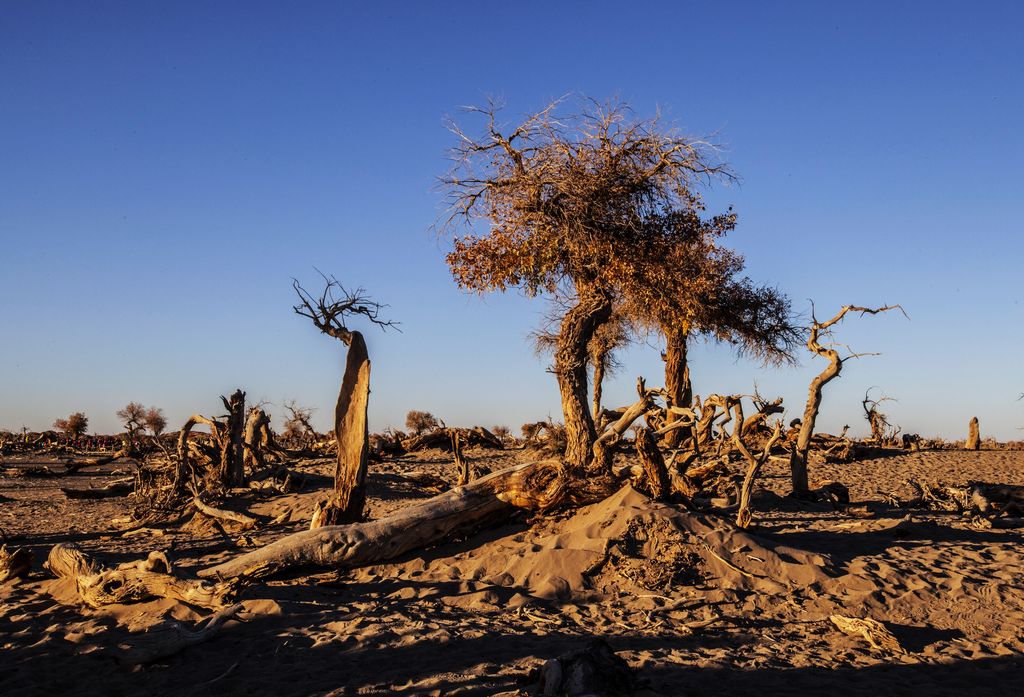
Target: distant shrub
420, 421
75, 425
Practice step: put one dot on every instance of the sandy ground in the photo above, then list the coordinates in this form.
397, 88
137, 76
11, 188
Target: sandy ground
475, 616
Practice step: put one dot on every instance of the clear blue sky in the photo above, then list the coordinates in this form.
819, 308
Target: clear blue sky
166, 168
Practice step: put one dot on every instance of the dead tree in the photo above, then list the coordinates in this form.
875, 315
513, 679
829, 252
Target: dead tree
232, 457
461, 463
256, 440
531, 486
328, 314
800, 450
743, 515
973, 441
882, 432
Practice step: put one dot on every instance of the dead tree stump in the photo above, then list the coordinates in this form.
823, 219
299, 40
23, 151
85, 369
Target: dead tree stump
973, 435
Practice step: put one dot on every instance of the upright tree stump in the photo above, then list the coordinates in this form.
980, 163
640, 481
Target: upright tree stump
973, 435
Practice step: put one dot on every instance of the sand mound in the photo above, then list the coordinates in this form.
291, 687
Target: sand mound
624, 544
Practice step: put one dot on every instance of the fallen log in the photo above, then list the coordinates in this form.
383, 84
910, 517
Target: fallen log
221, 514
122, 487
98, 586
534, 486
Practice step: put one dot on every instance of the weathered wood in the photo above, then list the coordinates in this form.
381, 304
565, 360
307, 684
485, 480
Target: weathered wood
98, 586
655, 471
593, 309
874, 632
678, 390
534, 485
973, 441
352, 436
184, 472
232, 458
15, 562
221, 514
744, 515
122, 487
256, 440
461, 463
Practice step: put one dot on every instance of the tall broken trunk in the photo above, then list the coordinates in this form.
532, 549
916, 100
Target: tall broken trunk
232, 459
578, 326
256, 440
348, 499
679, 392
973, 435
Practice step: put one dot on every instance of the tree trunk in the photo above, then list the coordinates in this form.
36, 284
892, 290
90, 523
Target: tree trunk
653, 463
352, 437
598, 380
534, 485
799, 452
677, 379
461, 463
973, 435
232, 467
578, 326
256, 440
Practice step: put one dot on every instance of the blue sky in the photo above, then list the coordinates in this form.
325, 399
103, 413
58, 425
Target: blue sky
167, 168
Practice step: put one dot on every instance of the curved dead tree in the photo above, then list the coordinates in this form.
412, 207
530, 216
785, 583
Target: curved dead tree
328, 314
800, 450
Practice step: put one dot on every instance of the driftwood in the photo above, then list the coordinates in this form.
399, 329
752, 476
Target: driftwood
14, 563
219, 513
875, 633
534, 485
170, 637
98, 586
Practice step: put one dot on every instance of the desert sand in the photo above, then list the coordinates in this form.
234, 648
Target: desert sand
480, 616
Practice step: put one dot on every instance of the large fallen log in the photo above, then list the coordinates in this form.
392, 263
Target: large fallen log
133, 582
534, 486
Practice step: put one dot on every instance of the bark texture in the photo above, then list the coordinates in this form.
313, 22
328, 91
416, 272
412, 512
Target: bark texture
578, 326
678, 391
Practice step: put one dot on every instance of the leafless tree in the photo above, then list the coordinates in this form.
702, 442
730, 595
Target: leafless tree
329, 312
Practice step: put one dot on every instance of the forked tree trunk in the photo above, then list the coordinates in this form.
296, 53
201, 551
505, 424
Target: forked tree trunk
679, 392
352, 437
973, 435
534, 485
578, 326
232, 468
